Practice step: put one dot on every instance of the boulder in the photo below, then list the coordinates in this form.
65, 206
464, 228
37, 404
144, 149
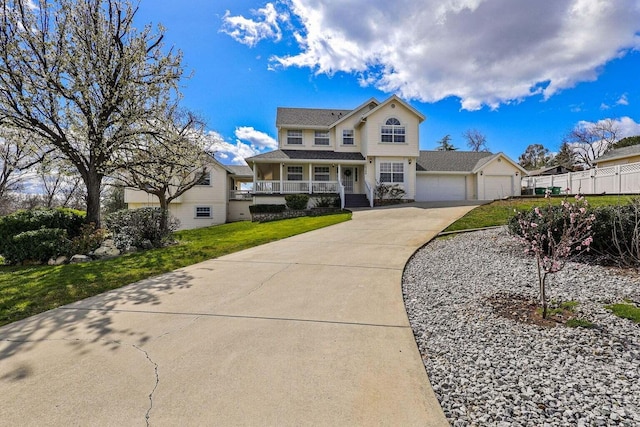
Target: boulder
106, 252
79, 258
58, 261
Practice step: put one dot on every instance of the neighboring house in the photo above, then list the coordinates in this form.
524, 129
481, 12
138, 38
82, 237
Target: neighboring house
219, 198
619, 156
466, 175
550, 170
328, 153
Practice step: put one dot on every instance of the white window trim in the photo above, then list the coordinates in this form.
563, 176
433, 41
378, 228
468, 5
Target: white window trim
296, 136
393, 166
301, 173
322, 135
395, 132
207, 176
326, 174
195, 212
351, 137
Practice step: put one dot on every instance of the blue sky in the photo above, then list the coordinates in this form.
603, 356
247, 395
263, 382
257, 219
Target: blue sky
519, 72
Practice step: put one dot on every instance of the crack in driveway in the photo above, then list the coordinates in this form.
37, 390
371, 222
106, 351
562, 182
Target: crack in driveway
155, 386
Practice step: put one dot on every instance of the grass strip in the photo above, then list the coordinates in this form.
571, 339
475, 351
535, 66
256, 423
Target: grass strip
499, 212
29, 290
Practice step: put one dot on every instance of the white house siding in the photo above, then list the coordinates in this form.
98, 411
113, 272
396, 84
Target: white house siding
213, 196
308, 139
440, 187
238, 210
372, 146
409, 184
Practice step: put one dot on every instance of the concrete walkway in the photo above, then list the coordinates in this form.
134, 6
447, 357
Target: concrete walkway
309, 330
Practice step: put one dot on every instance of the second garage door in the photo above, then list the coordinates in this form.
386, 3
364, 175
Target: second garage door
440, 187
497, 186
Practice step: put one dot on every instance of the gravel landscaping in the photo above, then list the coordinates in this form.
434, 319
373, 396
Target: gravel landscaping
487, 369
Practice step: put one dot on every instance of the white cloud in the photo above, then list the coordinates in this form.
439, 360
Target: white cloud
627, 127
623, 100
251, 31
249, 142
486, 52
256, 138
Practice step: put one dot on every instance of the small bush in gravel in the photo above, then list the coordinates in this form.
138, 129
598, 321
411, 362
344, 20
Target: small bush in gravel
140, 228
554, 234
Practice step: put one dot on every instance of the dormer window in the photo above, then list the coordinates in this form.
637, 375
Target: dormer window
294, 137
321, 137
392, 131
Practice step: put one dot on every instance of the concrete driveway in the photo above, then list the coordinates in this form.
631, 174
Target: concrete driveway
310, 330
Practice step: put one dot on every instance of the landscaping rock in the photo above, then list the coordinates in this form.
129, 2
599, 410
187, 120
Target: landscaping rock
58, 261
487, 369
79, 258
108, 249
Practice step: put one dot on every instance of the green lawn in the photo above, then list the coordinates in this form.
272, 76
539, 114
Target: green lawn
25, 291
499, 212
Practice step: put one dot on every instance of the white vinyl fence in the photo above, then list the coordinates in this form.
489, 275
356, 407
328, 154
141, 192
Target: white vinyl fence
611, 180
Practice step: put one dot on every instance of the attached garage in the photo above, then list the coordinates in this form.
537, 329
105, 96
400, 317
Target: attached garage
440, 187
498, 186
466, 175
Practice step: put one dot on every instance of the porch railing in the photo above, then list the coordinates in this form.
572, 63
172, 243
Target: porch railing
292, 187
240, 195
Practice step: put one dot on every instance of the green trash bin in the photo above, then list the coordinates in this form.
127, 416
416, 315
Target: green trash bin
555, 190
540, 190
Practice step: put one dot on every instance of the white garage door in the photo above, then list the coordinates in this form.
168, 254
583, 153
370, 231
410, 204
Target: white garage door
497, 186
440, 187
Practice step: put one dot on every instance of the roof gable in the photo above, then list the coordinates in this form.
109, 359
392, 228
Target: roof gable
394, 98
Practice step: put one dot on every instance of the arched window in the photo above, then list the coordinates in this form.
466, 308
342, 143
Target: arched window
392, 131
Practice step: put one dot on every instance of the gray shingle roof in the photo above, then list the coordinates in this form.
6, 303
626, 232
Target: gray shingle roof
451, 161
632, 150
306, 155
240, 170
308, 117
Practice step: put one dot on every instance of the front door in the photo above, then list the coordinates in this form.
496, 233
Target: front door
347, 179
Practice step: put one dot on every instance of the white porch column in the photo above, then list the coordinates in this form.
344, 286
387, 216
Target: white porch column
255, 177
339, 173
281, 177
310, 178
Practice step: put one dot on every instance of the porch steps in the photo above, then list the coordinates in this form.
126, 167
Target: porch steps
356, 201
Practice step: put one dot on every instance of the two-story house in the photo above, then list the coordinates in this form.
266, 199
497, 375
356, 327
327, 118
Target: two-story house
344, 152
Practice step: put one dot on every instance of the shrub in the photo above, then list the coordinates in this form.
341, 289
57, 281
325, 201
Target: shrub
38, 245
389, 191
139, 228
267, 208
89, 239
327, 202
615, 231
297, 202
36, 219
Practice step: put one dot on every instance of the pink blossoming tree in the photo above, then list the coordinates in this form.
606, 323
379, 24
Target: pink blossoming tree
554, 234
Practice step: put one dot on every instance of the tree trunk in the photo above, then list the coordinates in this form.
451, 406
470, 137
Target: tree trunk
93, 182
164, 212
542, 278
